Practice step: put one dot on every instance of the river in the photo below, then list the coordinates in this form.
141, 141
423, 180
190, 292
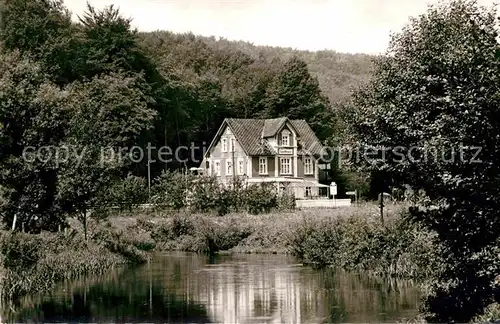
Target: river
191, 288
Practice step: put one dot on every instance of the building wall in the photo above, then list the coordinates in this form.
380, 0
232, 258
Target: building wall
217, 154
300, 169
270, 167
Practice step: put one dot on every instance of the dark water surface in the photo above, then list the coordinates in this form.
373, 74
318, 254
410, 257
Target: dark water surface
183, 287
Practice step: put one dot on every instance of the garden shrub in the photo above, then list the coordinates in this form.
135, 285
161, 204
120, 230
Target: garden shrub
260, 198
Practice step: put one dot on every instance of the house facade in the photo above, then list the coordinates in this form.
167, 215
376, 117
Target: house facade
280, 150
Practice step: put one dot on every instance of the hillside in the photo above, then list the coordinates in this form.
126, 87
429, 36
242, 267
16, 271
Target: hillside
337, 73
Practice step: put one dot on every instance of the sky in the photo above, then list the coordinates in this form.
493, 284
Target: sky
351, 26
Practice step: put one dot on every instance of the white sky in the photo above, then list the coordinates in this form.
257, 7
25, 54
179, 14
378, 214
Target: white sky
353, 26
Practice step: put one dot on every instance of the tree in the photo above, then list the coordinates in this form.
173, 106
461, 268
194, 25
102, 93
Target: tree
43, 31
432, 114
294, 93
108, 114
34, 116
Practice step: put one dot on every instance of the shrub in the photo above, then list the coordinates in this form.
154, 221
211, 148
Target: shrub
260, 198
286, 201
204, 192
33, 263
129, 192
19, 250
171, 189
400, 248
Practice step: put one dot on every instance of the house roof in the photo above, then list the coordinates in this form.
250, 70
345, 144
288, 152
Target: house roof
271, 126
310, 144
251, 133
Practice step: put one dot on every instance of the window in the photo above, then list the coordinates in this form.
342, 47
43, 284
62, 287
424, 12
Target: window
217, 168
231, 145
285, 139
241, 170
224, 145
263, 165
308, 166
308, 191
229, 167
285, 166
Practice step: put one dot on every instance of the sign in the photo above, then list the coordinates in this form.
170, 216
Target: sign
351, 193
285, 151
333, 189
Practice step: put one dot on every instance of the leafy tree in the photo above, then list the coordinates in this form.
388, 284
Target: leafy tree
34, 117
171, 189
438, 90
296, 94
107, 116
42, 30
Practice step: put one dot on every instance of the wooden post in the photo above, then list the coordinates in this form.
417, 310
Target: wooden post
14, 222
85, 223
382, 207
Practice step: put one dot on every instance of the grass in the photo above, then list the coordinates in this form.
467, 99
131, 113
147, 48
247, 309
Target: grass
351, 238
34, 263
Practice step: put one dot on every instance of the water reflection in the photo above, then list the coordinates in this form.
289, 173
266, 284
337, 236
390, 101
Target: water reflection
228, 289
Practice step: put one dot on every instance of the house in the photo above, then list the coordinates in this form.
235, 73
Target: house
282, 151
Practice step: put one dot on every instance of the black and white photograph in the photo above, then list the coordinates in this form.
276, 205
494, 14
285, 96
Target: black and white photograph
249, 161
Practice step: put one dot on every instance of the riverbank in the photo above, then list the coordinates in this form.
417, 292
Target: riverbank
33, 263
350, 238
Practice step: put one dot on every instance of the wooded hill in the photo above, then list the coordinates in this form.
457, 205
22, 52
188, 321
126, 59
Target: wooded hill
337, 73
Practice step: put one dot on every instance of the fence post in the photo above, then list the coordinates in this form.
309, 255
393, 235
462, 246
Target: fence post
14, 222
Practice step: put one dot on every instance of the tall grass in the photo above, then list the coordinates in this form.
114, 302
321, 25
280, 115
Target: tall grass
351, 238
360, 243
34, 263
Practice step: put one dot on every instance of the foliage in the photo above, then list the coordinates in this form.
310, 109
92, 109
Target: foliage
128, 193
337, 73
33, 263
437, 90
170, 189
34, 115
286, 200
285, 98
360, 243
260, 198
76, 90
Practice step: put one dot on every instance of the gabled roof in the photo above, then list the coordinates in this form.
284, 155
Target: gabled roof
248, 134
308, 139
251, 133
271, 126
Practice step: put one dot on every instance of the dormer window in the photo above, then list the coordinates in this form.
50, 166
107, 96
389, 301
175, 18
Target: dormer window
285, 138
